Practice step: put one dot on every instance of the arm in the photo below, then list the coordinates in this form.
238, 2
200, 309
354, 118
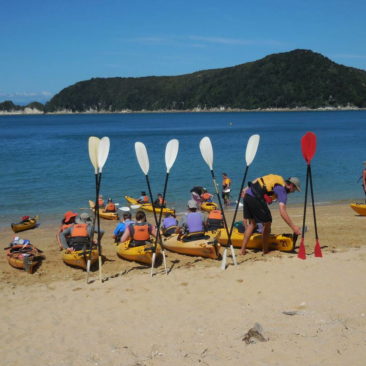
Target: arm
287, 219
126, 235
62, 237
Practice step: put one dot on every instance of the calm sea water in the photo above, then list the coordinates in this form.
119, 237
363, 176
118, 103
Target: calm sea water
45, 167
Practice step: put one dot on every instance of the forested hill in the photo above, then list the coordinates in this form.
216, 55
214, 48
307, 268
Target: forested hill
300, 78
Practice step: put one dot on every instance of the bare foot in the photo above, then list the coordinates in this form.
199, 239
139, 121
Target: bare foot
243, 252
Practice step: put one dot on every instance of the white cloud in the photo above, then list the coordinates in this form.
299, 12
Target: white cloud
26, 94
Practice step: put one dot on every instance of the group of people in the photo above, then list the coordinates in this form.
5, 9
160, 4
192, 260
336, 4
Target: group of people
76, 231
160, 202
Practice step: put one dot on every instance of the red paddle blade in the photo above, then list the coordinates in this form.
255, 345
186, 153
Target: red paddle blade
318, 250
301, 254
308, 146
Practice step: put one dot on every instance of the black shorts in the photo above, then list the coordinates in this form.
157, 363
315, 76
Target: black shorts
256, 210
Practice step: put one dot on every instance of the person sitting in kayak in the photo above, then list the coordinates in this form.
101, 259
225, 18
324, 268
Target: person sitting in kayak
78, 235
160, 202
139, 232
67, 221
215, 220
110, 207
169, 225
101, 201
206, 197
126, 220
261, 192
143, 198
193, 221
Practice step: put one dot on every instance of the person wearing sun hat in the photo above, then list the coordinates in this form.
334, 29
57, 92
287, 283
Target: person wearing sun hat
193, 221
78, 235
257, 196
67, 221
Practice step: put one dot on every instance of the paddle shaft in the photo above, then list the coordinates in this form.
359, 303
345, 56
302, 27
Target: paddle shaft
312, 201
220, 204
305, 202
164, 193
153, 207
238, 201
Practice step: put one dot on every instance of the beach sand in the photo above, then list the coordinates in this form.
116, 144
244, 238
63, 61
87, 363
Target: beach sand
312, 312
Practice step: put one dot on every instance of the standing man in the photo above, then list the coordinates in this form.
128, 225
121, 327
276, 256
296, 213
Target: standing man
226, 188
257, 196
364, 178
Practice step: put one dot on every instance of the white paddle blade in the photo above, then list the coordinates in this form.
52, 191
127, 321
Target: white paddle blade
135, 207
142, 157
252, 148
171, 152
93, 147
125, 209
103, 152
207, 151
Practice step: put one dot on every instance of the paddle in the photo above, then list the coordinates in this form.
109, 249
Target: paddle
250, 152
103, 151
207, 154
143, 160
93, 147
171, 152
308, 147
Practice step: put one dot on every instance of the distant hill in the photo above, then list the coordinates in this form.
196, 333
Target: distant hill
31, 108
296, 79
300, 78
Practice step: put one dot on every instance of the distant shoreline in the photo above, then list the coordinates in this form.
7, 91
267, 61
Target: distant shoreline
30, 111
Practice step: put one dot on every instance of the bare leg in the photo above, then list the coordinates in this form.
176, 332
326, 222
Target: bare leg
248, 232
265, 235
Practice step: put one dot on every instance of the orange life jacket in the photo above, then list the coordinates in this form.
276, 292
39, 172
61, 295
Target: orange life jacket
64, 226
145, 199
79, 230
206, 196
111, 207
140, 232
215, 215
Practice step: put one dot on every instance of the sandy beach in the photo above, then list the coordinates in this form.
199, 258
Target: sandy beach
312, 312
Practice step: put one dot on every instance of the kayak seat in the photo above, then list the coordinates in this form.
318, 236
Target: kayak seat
194, 236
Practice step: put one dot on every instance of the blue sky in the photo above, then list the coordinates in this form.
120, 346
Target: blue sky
46, 46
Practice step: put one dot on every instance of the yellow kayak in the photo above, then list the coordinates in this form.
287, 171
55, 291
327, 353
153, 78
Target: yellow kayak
103, 214
78, 258
281, 242
360, 208
25, 225
141, 254
24, 257
148, 206
208, 206
204, 247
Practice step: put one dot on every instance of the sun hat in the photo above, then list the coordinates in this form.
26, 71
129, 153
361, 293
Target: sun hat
69, 215
296, 182
83, 218
192, 204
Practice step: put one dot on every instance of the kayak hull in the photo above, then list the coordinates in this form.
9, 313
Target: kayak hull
141, 254
103, 214
208, 206
207, 247
24, 258
360, 208
21, 226
281, 242
148, 206
78, 259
